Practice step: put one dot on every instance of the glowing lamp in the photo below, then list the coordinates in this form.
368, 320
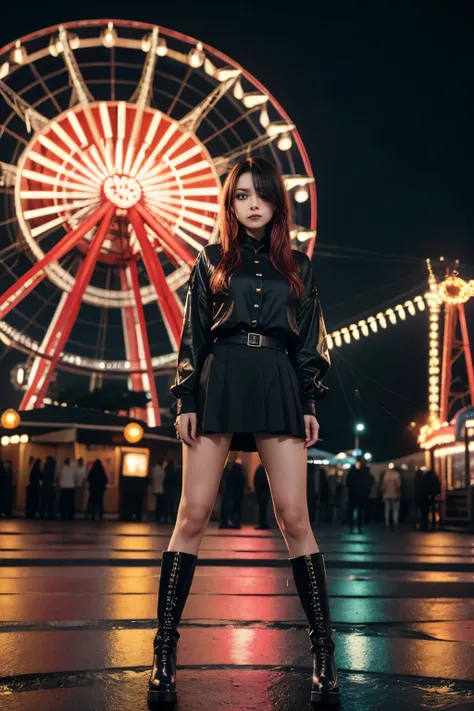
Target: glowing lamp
285, 142
196, 56
4, 69
10, 419
133, 432
18, 55
109, 35
301, 195
161, 48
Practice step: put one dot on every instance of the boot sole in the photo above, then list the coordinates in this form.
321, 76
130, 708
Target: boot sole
333, 698
161, 697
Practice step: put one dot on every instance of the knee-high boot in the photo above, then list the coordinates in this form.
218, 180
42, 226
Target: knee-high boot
311, 584
177, 571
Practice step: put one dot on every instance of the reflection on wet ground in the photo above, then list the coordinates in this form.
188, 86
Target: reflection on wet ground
77, 606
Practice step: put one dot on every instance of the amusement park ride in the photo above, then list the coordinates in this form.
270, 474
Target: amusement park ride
114, 139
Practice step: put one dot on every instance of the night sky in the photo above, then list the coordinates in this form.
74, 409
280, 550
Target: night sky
381, 94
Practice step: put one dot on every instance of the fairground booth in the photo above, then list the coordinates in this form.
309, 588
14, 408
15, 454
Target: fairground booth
62, 432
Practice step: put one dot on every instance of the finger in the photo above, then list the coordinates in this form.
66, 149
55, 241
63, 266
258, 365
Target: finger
307, 428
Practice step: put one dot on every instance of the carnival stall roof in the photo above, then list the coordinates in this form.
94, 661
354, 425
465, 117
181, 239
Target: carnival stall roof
88, 426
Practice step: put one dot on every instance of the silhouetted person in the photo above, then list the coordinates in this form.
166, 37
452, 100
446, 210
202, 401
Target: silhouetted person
371, 499
67, 490
323, 495
33, 489
358, 484
391, 493
262, 493
431, 489
157, 487
418, 496
97, 480
227, 499
48, 477
238, 482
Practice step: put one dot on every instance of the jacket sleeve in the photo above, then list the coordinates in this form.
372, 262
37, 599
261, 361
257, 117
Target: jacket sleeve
310, 355
196, 337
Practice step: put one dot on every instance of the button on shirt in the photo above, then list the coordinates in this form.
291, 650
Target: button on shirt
259, 300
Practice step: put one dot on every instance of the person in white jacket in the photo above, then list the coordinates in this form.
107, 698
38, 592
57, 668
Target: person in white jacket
391, 492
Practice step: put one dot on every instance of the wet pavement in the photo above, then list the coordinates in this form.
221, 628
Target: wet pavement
77, 619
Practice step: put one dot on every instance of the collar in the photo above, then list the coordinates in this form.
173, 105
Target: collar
251, 243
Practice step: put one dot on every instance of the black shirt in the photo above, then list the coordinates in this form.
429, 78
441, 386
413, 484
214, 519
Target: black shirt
258, 301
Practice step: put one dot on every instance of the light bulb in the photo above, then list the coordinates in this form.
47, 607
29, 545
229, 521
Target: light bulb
196, 56
285, 142
109, 35
301, 195
161, 48
18, 55
146, 43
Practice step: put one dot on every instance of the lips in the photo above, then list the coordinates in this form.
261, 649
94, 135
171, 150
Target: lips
255, 217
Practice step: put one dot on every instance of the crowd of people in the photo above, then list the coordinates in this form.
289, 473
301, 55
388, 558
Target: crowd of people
358, 498
355, 499
51, 491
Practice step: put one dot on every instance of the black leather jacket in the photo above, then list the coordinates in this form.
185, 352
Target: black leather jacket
259, 301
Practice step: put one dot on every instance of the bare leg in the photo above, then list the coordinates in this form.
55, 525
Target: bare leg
284, 458
203, 464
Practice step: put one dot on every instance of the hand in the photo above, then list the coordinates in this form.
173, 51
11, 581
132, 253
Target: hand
185, 426
311, 427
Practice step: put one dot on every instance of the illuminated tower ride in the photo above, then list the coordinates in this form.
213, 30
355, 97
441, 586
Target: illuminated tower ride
114, 140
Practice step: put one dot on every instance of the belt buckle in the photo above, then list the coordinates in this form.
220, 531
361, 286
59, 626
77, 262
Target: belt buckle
251, 337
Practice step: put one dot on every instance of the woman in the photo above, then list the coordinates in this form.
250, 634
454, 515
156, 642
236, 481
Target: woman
97, 480
250, 364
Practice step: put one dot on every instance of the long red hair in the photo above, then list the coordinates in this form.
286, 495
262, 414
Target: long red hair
267, 181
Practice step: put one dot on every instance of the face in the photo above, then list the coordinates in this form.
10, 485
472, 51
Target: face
252, 209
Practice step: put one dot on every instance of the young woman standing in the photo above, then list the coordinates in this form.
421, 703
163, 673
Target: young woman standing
251, 359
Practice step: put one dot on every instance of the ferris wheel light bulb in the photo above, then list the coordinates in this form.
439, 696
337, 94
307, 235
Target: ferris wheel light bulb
109, 35
196, 56
285, 142
4, 69
302, 194
161, 48
146, 43
18, 55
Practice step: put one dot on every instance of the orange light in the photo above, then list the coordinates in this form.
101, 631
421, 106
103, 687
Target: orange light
133, 432
10, 419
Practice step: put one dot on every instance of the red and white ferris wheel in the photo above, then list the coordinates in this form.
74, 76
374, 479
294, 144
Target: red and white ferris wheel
114, 138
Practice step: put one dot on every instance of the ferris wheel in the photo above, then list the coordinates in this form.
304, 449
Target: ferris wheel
114, 139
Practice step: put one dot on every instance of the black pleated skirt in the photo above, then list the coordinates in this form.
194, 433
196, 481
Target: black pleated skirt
244, 390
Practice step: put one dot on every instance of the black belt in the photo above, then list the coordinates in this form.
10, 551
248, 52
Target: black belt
254, 340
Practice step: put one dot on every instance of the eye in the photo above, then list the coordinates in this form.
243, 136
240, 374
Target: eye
239, 196
264, 196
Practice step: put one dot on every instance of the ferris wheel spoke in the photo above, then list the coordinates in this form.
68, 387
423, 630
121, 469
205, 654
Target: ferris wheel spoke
176, 216
142, 93
61, 169
66, 318
94, 177
196, 116
47, 90
169, 308
141, 335
30, 117
153, 157
54, 209
82, 93
20, 289
149, 138
177, 209
59, 182
92, 166
179, 173
164, 235
222, 163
